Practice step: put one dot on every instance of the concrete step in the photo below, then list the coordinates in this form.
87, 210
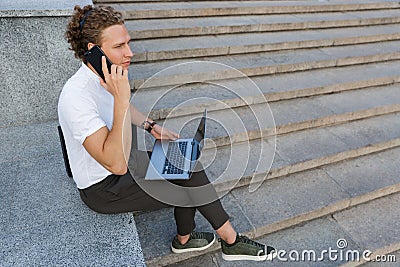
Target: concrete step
160, 1
161, 28
194, 47
239, 161
355, 229
28, 141
223, 8
310, 140
254, 120
247, 163
102, 2
183, 71
239, 92
280, 204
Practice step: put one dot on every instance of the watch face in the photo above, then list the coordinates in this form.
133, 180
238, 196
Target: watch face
149, 128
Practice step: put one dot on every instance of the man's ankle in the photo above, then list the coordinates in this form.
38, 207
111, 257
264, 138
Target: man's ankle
183, 239
230, 240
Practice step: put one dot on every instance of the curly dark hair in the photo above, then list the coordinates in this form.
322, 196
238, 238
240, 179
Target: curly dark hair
97, 19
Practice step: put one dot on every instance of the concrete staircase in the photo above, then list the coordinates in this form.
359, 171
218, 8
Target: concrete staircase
326, 95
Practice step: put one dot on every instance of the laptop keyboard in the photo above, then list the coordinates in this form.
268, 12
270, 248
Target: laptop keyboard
175, 159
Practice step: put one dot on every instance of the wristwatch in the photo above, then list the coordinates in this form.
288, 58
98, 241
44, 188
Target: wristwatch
150, 127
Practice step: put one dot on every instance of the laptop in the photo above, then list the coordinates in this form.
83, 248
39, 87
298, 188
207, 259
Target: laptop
176, 160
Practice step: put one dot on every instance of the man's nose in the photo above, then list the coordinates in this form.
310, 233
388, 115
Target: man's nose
129, 52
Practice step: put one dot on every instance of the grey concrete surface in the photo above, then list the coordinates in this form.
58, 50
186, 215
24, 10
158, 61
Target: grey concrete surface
231, 163
147, 10
363, 99
299, 150
44, 8
36, 64
263, 63
69, 243
373, 225
207, 260
303, 146
325, 78
213, 25
298, 147
36, 59
29, 141
289, 197
368, 173
43, 220
200, 46
369, 131
292, 111
275, 87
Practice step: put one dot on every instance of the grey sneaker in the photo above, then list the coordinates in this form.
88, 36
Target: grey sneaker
197, 241
246, 249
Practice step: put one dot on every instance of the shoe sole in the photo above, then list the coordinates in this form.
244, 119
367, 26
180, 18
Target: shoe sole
268, 257
175, 250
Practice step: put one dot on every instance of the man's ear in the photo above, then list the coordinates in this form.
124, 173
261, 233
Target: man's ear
90, 45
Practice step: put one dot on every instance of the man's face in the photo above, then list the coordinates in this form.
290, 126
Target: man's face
116, 45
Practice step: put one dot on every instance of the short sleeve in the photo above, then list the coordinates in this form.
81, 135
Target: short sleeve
81, 116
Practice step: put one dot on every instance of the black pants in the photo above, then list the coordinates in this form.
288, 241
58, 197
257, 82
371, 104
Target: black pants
121, 193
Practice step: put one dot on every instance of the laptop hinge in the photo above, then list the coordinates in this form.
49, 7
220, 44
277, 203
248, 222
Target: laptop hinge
194, 156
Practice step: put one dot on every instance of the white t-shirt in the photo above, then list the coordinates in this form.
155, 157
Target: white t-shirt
84, 107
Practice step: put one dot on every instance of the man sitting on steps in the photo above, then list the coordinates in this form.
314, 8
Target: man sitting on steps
92, 112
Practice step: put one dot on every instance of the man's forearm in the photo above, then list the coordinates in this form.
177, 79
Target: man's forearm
137, 118
157, 131
118, 142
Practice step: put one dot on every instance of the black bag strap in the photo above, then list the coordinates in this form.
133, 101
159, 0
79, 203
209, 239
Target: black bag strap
64, 151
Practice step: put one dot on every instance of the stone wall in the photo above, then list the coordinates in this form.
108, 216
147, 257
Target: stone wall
35, 58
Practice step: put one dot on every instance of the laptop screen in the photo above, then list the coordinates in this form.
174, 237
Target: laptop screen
201, 130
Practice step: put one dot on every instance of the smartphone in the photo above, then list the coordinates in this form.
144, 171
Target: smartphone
93, 56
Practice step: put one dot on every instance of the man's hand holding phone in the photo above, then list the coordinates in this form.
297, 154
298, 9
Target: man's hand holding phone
116, 82
113, 78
